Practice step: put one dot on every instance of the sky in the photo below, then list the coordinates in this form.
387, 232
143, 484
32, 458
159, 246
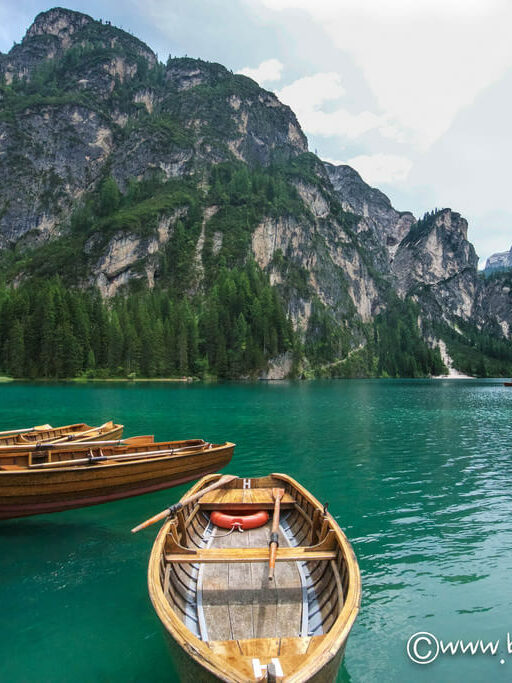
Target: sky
416, 95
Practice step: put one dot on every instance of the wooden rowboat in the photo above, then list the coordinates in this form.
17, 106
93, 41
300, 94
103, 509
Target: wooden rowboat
210, 588
507, 384
48, 434
35, 479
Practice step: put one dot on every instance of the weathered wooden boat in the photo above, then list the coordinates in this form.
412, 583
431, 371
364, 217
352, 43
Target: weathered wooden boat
225, 618
37, 478
48, 434
507, 384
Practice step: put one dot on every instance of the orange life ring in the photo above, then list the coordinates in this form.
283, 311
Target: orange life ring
241, 521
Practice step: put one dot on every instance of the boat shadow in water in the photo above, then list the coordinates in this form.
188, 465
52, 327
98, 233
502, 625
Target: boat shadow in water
50, 527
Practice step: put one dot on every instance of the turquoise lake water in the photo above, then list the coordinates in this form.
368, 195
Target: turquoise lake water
418, 473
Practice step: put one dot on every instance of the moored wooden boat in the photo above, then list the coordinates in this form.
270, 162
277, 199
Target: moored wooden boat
73, 432
225, 620
507, 384
36, 479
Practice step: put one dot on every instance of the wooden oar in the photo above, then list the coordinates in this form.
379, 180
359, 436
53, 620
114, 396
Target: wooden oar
93, 459
74, 445
277, 494
76, 436
174, 508
26, 430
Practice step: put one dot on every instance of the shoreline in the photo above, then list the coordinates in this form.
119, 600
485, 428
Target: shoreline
86, 380
453, 375
80, 380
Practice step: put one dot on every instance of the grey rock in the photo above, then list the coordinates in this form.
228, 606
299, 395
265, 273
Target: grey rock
500, 261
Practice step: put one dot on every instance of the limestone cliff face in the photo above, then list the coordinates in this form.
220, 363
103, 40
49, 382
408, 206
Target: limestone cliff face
82, 94
436, 263
379, 222
49, 158
127, 256
325, 252
493, 304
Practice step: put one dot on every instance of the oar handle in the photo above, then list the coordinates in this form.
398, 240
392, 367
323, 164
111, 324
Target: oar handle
273, 545
274, 534
152, 520
173, 509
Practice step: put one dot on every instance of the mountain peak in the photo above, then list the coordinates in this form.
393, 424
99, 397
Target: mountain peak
59, 22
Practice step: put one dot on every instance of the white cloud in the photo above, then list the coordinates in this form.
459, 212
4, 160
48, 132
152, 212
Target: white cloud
424, 60
393, 8
268, 71
307, 96
313, 91
380, 168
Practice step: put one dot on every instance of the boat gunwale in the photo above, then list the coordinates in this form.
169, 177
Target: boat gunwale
76, 429
94, 467
332, 641
44, 428
107, 428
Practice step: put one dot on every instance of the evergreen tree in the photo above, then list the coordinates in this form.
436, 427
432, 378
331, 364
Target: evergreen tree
109, 197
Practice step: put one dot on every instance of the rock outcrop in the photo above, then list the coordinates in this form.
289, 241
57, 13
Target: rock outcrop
437, 266
385, 226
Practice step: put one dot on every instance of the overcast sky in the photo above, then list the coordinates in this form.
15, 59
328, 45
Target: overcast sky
414, 94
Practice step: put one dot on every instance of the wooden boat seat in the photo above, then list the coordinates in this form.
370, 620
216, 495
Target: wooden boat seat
238, 499
325, 550
223, 555
12, 467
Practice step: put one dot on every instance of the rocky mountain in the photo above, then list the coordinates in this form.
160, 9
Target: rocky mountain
125, 174
500, 261
437, 265
379, 221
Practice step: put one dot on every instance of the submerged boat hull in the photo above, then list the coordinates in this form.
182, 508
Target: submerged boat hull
25, 492
223, 619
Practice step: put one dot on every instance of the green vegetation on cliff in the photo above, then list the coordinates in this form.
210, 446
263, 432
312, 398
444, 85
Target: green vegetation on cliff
393, 347
480, 353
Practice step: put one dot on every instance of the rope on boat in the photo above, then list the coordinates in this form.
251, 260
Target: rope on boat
236, 526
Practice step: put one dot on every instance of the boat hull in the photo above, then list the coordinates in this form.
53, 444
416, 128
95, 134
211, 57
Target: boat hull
192, 610
189, 671
31, 492
73, 433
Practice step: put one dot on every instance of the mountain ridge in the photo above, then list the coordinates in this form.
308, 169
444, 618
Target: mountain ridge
121, 172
